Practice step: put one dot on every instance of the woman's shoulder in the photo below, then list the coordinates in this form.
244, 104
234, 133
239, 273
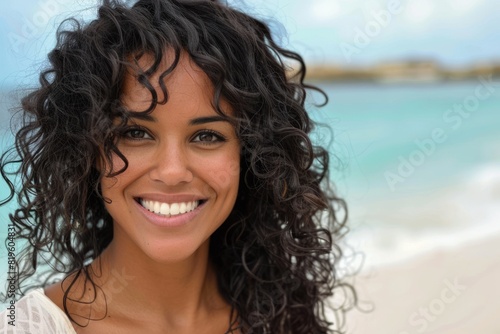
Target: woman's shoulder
34, 313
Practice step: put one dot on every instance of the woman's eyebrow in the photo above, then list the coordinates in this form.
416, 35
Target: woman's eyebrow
207, 119
143, 117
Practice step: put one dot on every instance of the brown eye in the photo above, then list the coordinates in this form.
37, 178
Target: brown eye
136, 133
208, 137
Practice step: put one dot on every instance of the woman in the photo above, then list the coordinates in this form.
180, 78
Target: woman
167, 173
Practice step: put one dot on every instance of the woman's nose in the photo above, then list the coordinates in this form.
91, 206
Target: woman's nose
171, 165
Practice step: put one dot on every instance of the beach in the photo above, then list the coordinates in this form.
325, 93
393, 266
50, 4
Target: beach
436, 266
423, 214
449, 290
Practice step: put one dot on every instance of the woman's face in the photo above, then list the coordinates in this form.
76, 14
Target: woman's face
183, 173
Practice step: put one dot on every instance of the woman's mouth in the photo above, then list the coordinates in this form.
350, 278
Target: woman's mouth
168, 209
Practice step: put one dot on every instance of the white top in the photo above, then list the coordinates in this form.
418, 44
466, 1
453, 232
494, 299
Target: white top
35, 313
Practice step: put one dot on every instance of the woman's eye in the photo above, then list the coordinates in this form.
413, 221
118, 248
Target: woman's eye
135, 133
209, 137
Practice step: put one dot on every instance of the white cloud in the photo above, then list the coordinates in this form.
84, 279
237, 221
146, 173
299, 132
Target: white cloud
420, 11
325, 10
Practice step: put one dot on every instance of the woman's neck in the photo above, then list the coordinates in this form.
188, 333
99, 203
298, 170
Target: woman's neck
132, 289
176, 292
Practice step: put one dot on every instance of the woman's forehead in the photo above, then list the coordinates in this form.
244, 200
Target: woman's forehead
185, 75
182, 82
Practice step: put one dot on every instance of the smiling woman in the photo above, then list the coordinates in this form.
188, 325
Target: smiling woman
168, 175
173, 159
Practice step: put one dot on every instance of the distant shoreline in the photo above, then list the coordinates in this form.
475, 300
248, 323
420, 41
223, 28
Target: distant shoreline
417, 71
389, 72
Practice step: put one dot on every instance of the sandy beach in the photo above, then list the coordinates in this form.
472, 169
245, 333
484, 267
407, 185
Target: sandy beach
450, 290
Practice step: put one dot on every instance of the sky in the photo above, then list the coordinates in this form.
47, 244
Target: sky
342, 32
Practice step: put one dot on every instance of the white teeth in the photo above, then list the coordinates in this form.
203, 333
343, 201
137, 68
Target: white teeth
174, 209
171, 209
164, 209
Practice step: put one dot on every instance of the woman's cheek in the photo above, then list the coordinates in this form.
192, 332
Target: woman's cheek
225, 175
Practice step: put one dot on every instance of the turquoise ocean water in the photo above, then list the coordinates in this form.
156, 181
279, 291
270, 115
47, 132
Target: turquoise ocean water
403, 155
419, 164
412, 143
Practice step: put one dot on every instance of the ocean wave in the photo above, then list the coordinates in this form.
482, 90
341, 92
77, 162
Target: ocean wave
456, 214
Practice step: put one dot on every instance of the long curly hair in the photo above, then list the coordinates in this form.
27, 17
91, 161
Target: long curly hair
277, 253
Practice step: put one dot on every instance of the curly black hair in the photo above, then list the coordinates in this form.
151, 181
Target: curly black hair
277, 253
